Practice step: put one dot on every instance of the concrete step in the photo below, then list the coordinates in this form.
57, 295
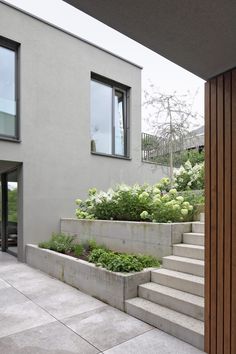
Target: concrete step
194, 238
178, 280
177, 324
173, 299
190, 251
202, 217
185, 265
198, 227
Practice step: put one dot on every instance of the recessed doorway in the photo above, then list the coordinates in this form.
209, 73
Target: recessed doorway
9, 212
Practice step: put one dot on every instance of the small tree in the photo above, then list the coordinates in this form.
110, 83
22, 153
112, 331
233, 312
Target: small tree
171, 119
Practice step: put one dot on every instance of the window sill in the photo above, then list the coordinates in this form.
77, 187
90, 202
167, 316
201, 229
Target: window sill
111, 156
13, 140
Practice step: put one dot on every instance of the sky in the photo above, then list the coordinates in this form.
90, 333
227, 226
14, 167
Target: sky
165, 75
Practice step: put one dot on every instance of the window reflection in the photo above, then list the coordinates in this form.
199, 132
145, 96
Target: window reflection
119, 123
101, 112
7, 92
108, 119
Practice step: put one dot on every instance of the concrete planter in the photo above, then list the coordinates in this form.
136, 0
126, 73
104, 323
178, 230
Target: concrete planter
110, 287
127, 236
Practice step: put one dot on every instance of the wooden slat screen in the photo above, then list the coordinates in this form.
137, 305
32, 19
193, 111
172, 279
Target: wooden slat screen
220, 227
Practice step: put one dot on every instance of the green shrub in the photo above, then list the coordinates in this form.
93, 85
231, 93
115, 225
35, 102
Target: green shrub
121, 262
135, 203
62, 243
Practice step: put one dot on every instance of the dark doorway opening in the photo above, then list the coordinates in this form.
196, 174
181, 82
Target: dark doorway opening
9, 212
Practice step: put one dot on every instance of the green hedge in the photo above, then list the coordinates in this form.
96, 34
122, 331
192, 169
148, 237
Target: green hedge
136, 203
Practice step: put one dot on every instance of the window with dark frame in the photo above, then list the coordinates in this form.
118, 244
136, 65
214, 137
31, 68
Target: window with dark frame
8, 89
109, 119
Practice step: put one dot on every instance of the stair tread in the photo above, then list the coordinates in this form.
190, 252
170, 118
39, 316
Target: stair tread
177, 294
178, 318
200, 234
182, 275
188, 245
185, 260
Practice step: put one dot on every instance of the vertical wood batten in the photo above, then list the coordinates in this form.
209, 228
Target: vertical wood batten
207, 217
227, 213
213, 211
220, 212
233, 240
220, 228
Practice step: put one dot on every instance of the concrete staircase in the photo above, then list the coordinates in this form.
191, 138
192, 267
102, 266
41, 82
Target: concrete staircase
174, 299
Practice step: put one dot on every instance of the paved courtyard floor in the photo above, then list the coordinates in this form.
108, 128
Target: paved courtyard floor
41, 315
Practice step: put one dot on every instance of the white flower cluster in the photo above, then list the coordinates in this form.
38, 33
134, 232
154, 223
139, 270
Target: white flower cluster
189, 177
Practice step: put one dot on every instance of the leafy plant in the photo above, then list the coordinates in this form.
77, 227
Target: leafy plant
78, 249
121, 262
62, 243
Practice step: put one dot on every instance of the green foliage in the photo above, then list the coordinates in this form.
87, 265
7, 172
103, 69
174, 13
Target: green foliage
180, 157
12, 205
63, 244
121, 262
101, 256
190, 177
78, 249
195, 198
156, 203
92, 245
193, 156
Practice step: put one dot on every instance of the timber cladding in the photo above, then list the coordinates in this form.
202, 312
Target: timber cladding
220, 227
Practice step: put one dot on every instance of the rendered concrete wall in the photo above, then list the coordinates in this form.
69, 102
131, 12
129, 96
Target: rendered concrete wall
57, 168
127, 236
110, 287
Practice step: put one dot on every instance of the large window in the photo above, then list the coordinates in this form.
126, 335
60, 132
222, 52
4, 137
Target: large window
109, 122
8, 89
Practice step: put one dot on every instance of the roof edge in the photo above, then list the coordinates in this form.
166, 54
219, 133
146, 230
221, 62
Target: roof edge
70, 33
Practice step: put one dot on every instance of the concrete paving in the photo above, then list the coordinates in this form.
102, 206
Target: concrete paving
41, 315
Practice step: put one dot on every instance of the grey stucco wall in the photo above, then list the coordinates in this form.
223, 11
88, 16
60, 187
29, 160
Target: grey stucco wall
55, 70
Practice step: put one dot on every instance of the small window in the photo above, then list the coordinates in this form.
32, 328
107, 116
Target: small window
109, 122
8, 89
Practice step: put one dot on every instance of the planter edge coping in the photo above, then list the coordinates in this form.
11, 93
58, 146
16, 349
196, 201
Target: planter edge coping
127, 221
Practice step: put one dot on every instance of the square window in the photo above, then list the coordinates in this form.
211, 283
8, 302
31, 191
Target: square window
109, 121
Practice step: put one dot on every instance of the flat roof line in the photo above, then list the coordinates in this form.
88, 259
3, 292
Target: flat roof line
69, 33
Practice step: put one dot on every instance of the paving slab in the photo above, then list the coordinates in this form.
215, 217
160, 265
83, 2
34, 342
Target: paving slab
53, 338
10, 296
106, 327
67, 302
42, 315
19, 317
154, 342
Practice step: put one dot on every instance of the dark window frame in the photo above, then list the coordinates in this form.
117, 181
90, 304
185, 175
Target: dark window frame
14, 46
116, 87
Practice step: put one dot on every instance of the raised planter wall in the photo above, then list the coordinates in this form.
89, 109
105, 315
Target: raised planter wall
110, 287
126, 236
